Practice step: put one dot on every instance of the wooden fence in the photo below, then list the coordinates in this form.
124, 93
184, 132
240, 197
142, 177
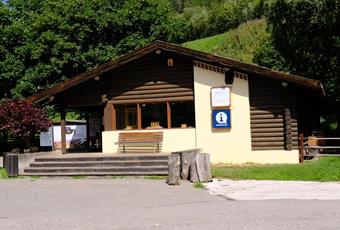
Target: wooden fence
315, 146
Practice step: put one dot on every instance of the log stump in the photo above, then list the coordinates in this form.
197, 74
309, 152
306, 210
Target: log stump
203, 167
189, 165
200, 168
174, 169
187, 158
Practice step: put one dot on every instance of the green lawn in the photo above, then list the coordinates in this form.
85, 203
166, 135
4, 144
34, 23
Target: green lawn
324, 169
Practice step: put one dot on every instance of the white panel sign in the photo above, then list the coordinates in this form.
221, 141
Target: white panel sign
46, 138
75, 136
220, 97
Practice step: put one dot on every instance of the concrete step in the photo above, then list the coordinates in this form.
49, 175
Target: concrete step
105, 164
127, 173
54, 164
102, 158
75, 170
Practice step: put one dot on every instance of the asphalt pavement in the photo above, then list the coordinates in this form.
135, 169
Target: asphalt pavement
60, 203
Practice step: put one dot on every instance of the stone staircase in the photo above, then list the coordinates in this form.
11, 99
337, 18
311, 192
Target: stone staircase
99, 165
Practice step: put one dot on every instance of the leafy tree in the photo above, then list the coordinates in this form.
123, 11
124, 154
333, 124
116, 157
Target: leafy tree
267, 55
45, 42
306, 41
21, 119
204, 18
232, 13
197, 21
307, 35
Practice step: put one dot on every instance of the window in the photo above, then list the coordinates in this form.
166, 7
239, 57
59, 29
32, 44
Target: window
154, 115
126, 116
182, 114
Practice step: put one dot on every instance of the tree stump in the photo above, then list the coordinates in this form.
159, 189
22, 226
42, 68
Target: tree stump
203, 167
200, 168
187, 159
174, 169
193, 171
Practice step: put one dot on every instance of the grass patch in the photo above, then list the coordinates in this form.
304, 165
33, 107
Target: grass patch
35, 177
79, 177
239, 44
117, 177
199, 185
207, 44
156, 177
324, 169
3, 173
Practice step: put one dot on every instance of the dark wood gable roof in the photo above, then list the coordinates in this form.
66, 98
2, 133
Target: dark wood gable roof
195, 55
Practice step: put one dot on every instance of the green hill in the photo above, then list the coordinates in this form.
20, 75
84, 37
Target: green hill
239, 44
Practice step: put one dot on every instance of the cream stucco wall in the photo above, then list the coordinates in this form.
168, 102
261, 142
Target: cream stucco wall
173, 139
234, 145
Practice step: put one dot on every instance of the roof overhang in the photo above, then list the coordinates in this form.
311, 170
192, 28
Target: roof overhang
250, 69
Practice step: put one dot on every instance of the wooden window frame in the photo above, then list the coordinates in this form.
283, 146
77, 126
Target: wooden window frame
139, 115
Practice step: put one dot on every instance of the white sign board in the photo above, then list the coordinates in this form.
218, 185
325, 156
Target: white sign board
220, 97
75, 136
46, 139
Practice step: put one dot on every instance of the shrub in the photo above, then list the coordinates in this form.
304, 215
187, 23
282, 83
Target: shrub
22, 119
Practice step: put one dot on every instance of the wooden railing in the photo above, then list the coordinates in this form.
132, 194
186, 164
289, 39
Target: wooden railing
304, 147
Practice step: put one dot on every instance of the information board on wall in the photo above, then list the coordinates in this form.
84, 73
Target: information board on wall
220, 97
221, 119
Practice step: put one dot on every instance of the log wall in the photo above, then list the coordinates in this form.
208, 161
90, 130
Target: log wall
148, 79
273, 115
152, 80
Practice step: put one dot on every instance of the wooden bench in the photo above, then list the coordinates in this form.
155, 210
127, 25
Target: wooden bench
140, 142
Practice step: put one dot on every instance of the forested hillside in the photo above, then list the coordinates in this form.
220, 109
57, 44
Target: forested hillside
240, 43
43, 42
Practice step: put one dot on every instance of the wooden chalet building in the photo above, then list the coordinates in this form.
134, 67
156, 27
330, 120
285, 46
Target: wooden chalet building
168, 89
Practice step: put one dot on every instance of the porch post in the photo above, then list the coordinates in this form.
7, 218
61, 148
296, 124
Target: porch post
113, 117
63, 129
88, 131
139, 116
109, 117
168, 109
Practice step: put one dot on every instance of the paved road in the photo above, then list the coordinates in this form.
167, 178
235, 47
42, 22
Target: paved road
148, 204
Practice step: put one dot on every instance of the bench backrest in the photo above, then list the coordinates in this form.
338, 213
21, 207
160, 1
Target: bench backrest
141, 142
141, 136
